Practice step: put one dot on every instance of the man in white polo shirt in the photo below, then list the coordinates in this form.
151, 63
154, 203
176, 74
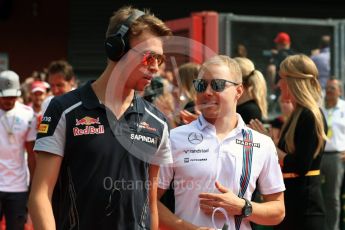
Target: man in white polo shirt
218, 161
17, 130
332, 167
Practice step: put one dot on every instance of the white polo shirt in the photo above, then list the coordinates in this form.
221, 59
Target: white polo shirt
336, 122
199, 160
13, 165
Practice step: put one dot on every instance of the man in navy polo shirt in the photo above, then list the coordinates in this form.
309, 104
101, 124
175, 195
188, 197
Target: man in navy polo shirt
99, 147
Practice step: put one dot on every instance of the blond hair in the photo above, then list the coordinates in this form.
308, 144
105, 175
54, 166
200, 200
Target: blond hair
187, 73
301, 75
254, 83
232, 65
145, 22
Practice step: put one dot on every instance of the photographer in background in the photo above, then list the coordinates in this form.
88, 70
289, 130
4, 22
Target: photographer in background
283, 49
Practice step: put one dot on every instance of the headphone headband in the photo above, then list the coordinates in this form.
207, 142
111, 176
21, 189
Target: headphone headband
117, 44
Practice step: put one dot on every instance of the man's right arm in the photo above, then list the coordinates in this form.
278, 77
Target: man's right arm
45, 177
169, 221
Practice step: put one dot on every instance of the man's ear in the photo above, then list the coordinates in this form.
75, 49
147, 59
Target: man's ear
239, 91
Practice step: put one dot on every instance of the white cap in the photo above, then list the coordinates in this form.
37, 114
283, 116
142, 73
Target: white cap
9, 84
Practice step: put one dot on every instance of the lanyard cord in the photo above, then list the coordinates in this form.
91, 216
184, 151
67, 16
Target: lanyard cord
330, 122
222, 210
7, 125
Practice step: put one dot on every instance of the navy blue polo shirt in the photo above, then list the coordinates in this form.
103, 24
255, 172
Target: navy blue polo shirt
103, 179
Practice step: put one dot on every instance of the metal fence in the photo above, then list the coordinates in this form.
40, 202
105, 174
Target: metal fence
257, 33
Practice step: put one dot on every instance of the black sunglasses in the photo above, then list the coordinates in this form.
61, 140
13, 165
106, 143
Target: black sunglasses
149, 57
217, 85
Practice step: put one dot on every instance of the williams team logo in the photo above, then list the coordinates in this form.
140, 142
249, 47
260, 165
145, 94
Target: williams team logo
247, 143
195, 138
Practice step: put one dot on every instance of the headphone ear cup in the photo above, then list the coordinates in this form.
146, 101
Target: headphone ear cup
115, 47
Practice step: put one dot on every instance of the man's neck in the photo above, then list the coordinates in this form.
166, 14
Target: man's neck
225, 125
112, 92
331, 103
36, 108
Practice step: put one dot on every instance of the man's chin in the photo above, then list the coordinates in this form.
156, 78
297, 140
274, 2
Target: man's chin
212, 116
142, 86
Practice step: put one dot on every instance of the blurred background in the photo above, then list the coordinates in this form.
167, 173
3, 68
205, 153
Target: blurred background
35, 32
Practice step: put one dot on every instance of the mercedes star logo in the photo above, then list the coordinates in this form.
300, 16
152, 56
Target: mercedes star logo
195, 138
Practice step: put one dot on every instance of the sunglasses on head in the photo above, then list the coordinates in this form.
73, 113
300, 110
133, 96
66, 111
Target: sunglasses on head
149, 57
217, 85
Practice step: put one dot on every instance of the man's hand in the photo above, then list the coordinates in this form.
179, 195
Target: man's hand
260, 127
226, 199
187, 117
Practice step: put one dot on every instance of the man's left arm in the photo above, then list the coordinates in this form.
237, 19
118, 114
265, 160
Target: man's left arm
29, 146
270, 212
153, 186
162, 157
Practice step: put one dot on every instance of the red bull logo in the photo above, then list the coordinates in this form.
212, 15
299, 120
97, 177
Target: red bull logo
88, 130
87, 121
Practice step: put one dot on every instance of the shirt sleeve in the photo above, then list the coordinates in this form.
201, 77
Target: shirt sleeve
163, 155
271, 178
166, 175
52, 130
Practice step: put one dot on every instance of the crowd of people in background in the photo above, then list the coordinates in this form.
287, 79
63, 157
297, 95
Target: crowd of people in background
304, 131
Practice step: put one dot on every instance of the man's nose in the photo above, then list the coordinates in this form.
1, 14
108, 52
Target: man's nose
209, 90
154, 67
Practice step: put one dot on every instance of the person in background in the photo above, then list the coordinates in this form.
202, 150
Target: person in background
276, 124
241, 50
210, 155
38, 93
17, 133
186, 74
187, 95
282, 50
26, 86
163, 99
322, 60
61, 79
332, 167
301, 144
253, 102
185, 110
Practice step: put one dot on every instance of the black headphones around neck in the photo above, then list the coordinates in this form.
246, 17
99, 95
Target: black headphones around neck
117, 44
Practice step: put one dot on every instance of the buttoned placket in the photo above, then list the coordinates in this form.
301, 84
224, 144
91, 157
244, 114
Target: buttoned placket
236, 156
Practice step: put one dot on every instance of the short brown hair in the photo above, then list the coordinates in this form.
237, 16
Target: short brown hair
63, 67
145, 22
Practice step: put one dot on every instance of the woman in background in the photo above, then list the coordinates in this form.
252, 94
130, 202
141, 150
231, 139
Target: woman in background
187, 95
300, 145
252, 104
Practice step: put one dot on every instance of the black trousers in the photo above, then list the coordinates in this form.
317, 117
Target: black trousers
13, 207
